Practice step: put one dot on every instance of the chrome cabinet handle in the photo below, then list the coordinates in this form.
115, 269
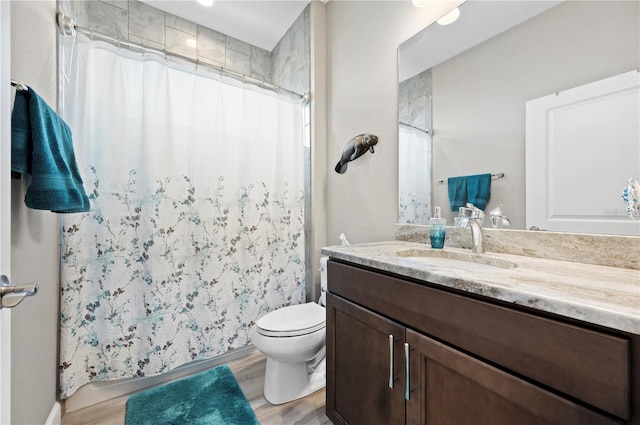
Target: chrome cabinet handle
390, 361
406, 371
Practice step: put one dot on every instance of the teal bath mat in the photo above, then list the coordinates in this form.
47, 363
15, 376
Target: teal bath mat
208, 398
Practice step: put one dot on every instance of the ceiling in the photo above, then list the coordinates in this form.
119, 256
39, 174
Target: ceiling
261, 23
479, 21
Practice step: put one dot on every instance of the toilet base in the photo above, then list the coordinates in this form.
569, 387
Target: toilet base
285, 382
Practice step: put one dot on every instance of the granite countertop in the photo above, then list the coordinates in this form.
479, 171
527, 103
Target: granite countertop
606, 296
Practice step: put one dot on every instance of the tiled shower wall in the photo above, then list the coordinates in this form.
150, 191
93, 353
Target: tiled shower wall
290, 58
414, 101
137, 22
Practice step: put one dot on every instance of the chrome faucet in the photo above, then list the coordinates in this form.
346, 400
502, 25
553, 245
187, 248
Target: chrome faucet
475, 222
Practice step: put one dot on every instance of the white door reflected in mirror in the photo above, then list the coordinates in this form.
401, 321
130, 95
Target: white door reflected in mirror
582, 146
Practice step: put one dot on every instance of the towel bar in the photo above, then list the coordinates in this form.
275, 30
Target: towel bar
18, 86
497, 176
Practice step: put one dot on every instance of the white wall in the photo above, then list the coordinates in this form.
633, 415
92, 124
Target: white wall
479, 96
34, 234
318, 105
362, 93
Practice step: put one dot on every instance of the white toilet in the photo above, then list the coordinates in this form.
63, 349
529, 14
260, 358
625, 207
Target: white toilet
293, 340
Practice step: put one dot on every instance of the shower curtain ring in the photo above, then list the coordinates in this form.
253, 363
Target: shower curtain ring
66, 25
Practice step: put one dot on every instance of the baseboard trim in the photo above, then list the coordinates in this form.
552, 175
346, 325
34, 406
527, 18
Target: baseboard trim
97, 392
55, 416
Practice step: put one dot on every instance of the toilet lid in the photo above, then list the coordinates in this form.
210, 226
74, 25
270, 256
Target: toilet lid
293, 320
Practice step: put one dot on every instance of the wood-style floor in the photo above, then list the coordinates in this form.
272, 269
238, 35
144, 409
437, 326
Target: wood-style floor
249, 372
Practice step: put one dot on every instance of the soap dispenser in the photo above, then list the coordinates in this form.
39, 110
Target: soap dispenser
437, 229
461, 216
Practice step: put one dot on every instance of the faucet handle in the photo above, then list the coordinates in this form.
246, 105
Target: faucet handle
496, 212
497, 219
475, 211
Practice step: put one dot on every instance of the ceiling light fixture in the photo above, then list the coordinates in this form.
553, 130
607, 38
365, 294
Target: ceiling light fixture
420, 3
206, 2
450, 17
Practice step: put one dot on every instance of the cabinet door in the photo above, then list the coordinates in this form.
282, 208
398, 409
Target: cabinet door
364, 360
449, 387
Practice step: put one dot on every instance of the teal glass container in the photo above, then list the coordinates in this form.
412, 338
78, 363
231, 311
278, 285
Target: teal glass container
437, 229
437, 233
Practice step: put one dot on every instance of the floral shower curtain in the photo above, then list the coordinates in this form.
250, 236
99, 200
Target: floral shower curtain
414, 175
197, 220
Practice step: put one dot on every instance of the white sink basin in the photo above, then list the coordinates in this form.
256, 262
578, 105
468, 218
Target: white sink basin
456, 260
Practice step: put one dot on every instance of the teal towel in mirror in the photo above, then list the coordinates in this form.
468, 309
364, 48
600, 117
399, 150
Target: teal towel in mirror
41, 145
479, 190
457, 187
475, 189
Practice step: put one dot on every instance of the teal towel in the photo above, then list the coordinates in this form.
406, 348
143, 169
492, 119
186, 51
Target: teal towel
479, 190
457, 192
41, 145
21, 135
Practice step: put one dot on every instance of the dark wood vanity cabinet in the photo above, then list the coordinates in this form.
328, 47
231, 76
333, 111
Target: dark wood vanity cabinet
361, 364
470, 361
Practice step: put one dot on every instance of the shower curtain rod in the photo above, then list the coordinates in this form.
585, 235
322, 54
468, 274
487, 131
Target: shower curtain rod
429, 131
68, 27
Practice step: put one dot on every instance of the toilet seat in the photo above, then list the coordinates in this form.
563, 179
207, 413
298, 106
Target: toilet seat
294, 320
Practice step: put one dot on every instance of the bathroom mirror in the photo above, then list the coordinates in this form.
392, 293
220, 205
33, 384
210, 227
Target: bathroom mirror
463, 89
